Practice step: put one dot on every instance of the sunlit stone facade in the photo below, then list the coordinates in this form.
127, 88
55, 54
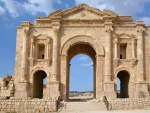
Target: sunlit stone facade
118, 47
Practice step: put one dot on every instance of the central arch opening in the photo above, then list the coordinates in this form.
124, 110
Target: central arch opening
81, 86
39, 86
81, 78
123, 77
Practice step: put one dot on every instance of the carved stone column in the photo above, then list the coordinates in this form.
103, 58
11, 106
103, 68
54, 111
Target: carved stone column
141, 84
109, 86
47, 51
133, 47
116, 59
36, 50
31, 51
140, 55
54, 84
116, 47
55, 59
45, 57
108, 50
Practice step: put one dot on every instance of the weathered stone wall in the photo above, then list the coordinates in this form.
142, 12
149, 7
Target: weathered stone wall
28, 106
126, 104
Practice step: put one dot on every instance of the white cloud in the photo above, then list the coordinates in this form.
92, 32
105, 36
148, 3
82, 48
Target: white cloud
11, 6
14, 8
38, 6
123, 7
59, 1
2, 11
87, 64
83, 58
146, 20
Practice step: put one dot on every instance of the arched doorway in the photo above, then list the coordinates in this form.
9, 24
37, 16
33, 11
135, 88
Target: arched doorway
38, 84
124, 77
81, 49
81, 78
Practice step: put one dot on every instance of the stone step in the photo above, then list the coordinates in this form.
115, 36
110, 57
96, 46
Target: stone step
66, 107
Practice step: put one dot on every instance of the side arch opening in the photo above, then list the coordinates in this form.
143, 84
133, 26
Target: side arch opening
123, 84
39, 85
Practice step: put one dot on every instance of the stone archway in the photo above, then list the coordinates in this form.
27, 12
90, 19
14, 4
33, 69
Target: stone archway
81, 45
131, 82
38, 84
32, 79
124, 84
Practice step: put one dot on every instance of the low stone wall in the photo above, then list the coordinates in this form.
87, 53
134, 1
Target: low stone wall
28, 106
126, 104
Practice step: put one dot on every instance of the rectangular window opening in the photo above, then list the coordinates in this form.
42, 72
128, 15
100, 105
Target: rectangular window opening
41, 51
123, 49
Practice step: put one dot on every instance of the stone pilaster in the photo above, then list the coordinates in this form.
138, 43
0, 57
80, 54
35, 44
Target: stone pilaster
24, 56
63, 78
108, 50
47, 51
98, 79
109, 86
22, 87
54, 84
133, 47
55, 59
140, 54
116, 48
141, 84
31, 51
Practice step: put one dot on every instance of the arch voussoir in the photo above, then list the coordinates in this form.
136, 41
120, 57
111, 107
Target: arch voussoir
82, 39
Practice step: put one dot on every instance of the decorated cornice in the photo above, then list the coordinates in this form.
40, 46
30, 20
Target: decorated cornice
127, 19
124, 34
101, 16
40, 36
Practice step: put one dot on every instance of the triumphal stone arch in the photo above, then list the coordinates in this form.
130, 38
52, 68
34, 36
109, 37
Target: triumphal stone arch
119, 48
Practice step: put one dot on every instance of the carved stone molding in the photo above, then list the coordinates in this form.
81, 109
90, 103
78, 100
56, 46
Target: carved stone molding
124, 34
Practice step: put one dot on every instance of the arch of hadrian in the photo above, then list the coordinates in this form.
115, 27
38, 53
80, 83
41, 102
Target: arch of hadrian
118, 47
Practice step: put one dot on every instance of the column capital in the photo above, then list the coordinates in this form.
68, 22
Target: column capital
140, 30
108, 30
115, 40
56, 30
26, 32
133, 40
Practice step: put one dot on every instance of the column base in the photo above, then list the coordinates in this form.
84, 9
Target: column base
54, 92
109, 90
22, 90
142, 90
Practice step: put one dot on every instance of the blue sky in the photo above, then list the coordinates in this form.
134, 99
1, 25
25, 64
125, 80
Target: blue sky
13, 12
